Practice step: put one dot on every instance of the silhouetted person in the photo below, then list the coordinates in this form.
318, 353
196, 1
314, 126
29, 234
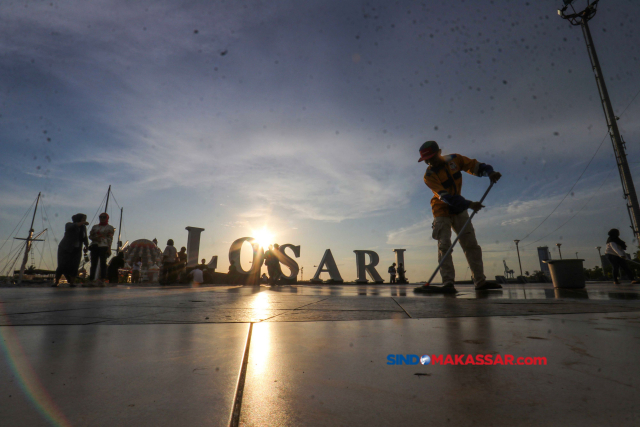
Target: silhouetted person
169, 261
182, 256
101, 236
116, 264
70, 249
233, 274
206, 273
401, 271
444, 178
616, 255
273, 264
392, 273
137, 267
181, 266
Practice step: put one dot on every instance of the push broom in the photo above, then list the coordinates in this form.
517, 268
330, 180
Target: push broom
423, 287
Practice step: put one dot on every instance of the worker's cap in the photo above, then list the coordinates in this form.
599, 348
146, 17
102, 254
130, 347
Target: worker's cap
428, 150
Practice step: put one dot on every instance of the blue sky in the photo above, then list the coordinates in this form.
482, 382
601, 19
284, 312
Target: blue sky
306, 118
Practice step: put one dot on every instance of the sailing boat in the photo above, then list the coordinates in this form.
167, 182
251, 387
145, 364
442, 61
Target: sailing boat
29, 241
25, 248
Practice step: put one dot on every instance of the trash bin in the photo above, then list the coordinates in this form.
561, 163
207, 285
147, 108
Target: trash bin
566, 273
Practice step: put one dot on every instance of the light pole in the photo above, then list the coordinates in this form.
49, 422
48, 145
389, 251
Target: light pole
600, 256
576, 255
629, 192
558, 245
518, 250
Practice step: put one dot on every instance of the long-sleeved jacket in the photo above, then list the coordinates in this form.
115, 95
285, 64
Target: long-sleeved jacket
102, 235
446, 183
74, 237
614, 249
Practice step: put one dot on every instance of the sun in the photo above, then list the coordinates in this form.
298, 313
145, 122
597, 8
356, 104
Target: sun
264, 237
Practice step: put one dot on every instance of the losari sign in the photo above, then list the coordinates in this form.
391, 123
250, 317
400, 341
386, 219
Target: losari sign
327, 264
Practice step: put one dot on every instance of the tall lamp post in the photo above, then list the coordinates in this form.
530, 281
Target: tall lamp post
576, 255
600, 256
518, 250
629, 192
559, 252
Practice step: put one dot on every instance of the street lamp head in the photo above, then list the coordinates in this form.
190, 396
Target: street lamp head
517, 241
576, 17
558, 244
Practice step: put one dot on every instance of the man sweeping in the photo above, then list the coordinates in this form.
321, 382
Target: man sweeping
444, 178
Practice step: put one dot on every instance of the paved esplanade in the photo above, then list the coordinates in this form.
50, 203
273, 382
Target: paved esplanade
317, 356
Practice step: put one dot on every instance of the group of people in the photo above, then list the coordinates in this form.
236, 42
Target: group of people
174, 263
96, 246
399, 271
76, 241
450, 211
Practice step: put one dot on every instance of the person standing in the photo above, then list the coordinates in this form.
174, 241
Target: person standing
182, 257
169, 261
181, 265
115, 265
273, 264
137, 267
444, 178
392, 273
615, 253
233, 277
101, 236
401, 278
70, 249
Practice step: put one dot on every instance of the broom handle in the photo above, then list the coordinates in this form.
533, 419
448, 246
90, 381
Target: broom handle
457, 237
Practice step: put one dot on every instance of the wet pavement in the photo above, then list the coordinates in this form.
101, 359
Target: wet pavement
317, 356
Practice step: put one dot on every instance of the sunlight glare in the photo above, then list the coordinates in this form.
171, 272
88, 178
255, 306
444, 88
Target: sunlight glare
264, 237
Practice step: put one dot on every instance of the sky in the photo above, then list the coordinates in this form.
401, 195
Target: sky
305, 119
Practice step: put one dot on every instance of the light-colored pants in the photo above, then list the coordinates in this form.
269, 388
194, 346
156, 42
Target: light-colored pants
442, 226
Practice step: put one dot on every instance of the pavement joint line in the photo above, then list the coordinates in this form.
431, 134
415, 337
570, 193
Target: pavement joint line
311, 303
348, 309
234, 419
399, 305
292, 309
93, 323
50, 311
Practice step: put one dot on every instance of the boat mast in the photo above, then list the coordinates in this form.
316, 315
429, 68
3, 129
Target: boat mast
27, 246
106, 205
120, 232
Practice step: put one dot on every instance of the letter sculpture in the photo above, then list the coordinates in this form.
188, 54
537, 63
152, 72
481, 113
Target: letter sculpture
193, 245
289, 262
363, 268
258, 259
332, 269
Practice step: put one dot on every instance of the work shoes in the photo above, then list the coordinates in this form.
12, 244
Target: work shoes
431, 289
487, 285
